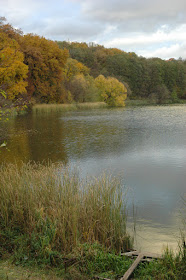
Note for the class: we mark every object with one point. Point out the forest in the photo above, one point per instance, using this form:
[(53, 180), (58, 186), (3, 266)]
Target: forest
[(34, 70)]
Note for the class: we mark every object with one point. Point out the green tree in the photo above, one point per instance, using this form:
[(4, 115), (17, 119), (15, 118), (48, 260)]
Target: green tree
[(161, 94)]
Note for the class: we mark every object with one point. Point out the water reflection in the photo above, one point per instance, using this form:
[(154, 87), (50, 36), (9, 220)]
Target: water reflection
[(33, 138), (146, 146)]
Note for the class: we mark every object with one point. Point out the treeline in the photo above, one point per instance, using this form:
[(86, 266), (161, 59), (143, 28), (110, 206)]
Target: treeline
[(36, 70), (153, 78)]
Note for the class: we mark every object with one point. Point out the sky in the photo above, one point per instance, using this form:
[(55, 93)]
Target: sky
[(150, 28)]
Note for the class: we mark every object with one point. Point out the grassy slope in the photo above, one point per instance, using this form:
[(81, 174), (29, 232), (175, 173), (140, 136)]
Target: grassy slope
[(9, 271)]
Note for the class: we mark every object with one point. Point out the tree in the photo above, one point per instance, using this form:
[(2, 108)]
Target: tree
[(111, 90), (78, 88), (13, 71), (74, 67), (160, 95), (46, 62)]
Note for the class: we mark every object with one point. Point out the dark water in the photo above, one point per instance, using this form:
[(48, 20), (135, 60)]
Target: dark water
[(146, 146)]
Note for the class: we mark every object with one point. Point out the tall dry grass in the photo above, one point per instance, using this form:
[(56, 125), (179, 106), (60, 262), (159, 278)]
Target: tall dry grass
[(51, 200), (48, 108)]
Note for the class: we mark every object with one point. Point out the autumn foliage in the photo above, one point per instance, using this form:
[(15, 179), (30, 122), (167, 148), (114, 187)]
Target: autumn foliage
[(44, 71), (45, 62), (40, 71), (111, 90), (13, 72)]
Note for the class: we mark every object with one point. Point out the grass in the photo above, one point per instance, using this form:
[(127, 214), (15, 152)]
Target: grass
[(55, 226), (9, 271), (46, 212), (147, 102), (48, 108), (88, 261), (139, 102), (171, 267)]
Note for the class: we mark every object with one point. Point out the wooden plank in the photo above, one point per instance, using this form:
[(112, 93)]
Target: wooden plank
[(133, 266), (146, 254), (130, 254)]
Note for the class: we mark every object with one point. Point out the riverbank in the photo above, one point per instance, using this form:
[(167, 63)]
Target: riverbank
[(93, 262), (150, 102), (52, 223), (47, 108), (47, 212)]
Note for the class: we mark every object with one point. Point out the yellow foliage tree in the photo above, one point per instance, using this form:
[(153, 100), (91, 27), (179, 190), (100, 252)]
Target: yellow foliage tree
[(111, 90), (13, 71), (73, 68)]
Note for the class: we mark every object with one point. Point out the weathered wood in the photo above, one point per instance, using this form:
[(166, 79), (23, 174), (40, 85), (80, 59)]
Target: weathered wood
[(130, 254), (146, 254), (133, 266)]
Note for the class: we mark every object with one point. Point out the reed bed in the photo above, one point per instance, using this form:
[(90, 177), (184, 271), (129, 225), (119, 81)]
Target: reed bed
[(52, 207), (91, 105), (48, 108)]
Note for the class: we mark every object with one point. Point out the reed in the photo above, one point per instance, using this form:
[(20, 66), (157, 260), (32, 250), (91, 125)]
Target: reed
[(91, 105), (48, 108), (56, 210)]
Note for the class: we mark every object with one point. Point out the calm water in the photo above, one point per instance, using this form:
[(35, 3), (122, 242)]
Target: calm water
[(146, 146)]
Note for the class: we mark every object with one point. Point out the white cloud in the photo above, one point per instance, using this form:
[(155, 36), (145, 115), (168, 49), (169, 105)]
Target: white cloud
[(173, 51), (175, 39), (160, 36), (132, 25)]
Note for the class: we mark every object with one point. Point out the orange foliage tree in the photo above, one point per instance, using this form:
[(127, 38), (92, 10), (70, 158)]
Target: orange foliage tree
[(46, 62)]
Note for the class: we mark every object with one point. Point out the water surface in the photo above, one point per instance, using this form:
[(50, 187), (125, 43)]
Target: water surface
[(146, 146)]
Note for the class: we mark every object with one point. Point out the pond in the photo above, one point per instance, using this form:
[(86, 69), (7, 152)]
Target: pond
[(145, 146)]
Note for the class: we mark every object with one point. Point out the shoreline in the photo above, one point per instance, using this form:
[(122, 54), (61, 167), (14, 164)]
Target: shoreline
[(97, 105)]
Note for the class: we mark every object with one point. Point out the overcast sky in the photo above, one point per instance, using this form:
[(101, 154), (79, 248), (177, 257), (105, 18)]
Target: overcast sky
[(151, 28)]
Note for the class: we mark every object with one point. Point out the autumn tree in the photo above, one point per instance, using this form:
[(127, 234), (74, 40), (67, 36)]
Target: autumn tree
[(111, 90), (83, 89), (13, 71), (78, 88), (76, 82), (46, 62), (73, 68), (9, 30)]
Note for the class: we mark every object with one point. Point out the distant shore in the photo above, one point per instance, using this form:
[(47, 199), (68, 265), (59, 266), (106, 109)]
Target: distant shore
[(97, 105)]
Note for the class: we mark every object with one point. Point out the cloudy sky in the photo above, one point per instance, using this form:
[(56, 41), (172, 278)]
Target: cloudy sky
[(151, 28)]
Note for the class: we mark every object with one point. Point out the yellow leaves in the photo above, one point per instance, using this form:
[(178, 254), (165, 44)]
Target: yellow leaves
[(16, 88), (13, 71), (111, 90), (73, 68)]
